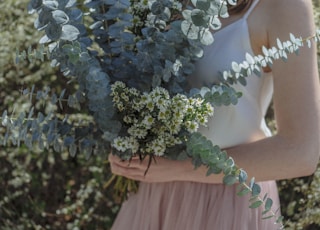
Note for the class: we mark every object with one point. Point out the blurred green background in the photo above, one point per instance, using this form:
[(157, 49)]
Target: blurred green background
[(48, 190)]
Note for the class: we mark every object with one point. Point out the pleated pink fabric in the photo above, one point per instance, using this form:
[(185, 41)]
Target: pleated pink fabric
[(199, 206), (193, 206)]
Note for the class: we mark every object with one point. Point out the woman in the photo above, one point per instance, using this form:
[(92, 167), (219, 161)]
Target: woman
[(174, 196)]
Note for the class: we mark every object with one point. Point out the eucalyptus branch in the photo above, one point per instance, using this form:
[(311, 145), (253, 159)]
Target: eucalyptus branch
[(203, 152), (32, 54), (253, 64)]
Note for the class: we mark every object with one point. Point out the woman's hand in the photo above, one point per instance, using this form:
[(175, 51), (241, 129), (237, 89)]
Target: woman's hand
[(160, 170)]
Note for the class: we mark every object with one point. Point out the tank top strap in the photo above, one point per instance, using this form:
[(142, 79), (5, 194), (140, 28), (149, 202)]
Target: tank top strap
[(253, 5)]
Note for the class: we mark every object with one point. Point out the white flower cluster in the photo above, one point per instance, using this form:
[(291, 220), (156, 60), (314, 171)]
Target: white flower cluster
[(155, 120)]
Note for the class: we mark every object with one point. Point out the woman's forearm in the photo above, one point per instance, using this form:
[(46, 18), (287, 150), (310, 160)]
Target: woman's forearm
[(271, 158)]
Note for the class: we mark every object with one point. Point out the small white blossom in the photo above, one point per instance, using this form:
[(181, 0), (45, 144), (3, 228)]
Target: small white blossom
[(192, 126), (134, 145), (116, 99), (126, 143), (148, 120), (137, 105), (162, 115), (138, 132), (202, 120), (134, 92), (124, 97), (127, 119), (209, 109), (150, 106), (120, 106), (119, 144), (174, 128), (157, 147), (162, 103)]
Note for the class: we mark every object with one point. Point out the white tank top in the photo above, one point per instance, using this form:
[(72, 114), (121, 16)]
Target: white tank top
[(235, 124)]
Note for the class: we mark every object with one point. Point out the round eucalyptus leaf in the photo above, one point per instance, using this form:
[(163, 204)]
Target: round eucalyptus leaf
[(53, 31), (199, 17), (256, 204), (230, 179), (215, 23), (203, 4), (73, 150), (34, 5), (187, 15), (161, 24), (96, 25), (44, 39), (256, 189), (243, 176), (68, 140), (51, 4), (70, 3), (206, 37), (232, 2), (223, 12), (84, 57), (69, 33), (268, 204), (166, 14), (43, 20), (75, 14), (157, 8), (190, 30), (110, 2), (60, 17)]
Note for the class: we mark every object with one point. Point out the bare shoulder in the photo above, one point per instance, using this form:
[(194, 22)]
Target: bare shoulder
[(272, 19), (289, 16)]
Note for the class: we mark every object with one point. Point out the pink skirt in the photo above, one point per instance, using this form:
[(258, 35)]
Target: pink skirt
[(193, 206)]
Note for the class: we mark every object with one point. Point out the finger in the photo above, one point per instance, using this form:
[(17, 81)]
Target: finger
[(113, 158), (132, 173)]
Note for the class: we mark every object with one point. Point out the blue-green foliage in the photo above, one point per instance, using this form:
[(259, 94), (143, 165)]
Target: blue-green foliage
[(130, 41)]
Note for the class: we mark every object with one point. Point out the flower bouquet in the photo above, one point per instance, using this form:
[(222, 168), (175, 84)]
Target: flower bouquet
[(131, 60)]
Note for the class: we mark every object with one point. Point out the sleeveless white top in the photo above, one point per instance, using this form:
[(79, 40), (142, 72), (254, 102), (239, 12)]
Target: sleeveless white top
[(235, 124)]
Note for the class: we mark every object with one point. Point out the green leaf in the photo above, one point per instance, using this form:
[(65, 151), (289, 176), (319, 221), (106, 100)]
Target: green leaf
[(267, 217), (256, 204), (243, 176), (203, 4), (268, 204), (256, 189), (60, 17), (230, 179), (53, 31), (232, 2), (279, 219), (251, 182), (213, 170), (242, 190), (215, 23), (199, 17), (206, 37), (157, 7), (69, 33), (190, 30)]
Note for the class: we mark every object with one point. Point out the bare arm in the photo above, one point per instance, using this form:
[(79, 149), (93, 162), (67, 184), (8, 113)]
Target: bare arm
[(294, 150)]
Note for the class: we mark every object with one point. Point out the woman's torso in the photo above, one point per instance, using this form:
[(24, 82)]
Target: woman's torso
[(243, 122)]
